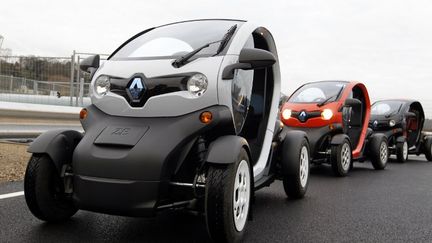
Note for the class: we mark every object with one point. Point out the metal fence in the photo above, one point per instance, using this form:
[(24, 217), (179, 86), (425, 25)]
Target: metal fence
[(45, 80)]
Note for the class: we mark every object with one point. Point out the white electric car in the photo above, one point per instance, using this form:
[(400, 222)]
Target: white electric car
[(183, 115)]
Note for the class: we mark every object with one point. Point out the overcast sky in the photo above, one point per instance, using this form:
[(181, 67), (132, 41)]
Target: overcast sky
[(386, 44)]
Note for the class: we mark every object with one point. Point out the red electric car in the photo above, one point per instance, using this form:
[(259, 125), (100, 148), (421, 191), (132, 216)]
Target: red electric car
[(334, 115)]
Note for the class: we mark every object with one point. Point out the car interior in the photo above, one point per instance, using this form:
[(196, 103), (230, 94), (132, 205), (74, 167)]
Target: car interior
[(414, 124), (356, 116)]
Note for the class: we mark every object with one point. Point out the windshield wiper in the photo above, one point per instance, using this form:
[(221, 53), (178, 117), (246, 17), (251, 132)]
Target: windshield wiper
[(226, 38), (182, 60), (329, 98)]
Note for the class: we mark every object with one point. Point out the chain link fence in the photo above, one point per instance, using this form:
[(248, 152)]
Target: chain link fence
[(45, 80)]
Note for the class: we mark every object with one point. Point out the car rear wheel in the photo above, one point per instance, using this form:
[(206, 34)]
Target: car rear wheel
[(428, 148), (227, 199), (44, 191), (402, 151), (296, 163), (379, 152), (341, 158)]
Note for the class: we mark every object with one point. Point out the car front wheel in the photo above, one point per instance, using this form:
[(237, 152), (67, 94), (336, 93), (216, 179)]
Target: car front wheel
[(379, 152), (44, 191), (402, 151), (295, 163), (341, 158), (227, 201), (428, 148)]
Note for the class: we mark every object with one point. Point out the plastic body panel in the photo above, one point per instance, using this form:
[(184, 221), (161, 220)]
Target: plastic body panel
[(57, 144), (139, 173)]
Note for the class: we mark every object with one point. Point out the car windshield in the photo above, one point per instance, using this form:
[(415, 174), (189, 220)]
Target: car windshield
[(175, 40), (386, 107), (318, 92)]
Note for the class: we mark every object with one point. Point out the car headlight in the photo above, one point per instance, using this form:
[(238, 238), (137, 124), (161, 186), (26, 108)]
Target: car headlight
[(102, 85), (286, 114), (197, 84), (327, 114), (392, 123)]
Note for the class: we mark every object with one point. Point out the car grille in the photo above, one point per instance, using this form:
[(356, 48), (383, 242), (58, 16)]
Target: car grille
[(152, 87), (303, 115)]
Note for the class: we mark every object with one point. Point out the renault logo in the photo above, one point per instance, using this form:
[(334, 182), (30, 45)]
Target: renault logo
[(136, 88), (302, 116), (375, 123)]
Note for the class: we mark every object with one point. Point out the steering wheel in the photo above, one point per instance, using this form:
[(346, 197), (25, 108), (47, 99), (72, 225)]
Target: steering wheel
[(319, 99)]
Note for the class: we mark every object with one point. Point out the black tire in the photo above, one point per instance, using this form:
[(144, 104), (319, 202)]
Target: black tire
[(341, 158), (402, 151), (219, 200), (428, 148), (295, 176), (378, 152), (44, 191)]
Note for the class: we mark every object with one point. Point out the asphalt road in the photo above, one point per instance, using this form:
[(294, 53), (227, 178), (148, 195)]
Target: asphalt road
[(393, 205)]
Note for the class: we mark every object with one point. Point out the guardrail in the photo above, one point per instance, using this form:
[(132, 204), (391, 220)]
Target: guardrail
[(19, 120)]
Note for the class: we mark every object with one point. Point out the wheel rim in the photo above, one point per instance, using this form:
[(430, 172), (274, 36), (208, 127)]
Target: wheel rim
[(405, 150), (346, 156), (383, 152), (304, 166), (241, 195)]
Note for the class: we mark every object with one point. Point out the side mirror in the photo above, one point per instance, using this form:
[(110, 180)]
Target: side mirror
[(352, 102), (250, 58), (410, 114), (90, 64)]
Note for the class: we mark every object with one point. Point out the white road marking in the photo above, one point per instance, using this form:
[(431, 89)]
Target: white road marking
[(13, 194)]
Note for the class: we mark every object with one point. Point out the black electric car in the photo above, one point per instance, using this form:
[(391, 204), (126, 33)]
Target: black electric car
[(183, 116), (402, 121)]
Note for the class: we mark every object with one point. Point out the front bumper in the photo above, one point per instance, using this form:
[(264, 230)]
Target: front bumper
[(126, 174), (318, 137), (117, 197)]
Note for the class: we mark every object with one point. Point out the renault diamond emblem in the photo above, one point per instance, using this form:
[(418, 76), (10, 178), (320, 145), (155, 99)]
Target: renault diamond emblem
[(375, 123), (302, 116), (136, 88)]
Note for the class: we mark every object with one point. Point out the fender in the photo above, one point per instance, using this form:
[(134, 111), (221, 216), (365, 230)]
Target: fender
[(339, 138), (291, 146), (369, 132), (378, 135), (224, 150), (58, 145), (295, 134)]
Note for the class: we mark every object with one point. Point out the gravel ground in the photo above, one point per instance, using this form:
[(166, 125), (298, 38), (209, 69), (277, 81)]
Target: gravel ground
[(13, 161)]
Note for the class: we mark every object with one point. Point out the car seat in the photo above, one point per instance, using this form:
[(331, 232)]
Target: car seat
[(355, 123)]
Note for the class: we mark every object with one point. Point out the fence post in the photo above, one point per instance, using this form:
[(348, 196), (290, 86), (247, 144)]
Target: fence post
[(35, 87), (81, 93), (11, 84), (71, 88), (24, 84), (78, 80)]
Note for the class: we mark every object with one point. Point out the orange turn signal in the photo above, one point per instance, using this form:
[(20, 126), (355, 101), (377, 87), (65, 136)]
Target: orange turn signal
[(206, 117), (83, 113)]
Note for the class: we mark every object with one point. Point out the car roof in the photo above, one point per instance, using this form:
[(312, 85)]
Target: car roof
[(195, 20), (155, 27), (328, 81), (400, 100)]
